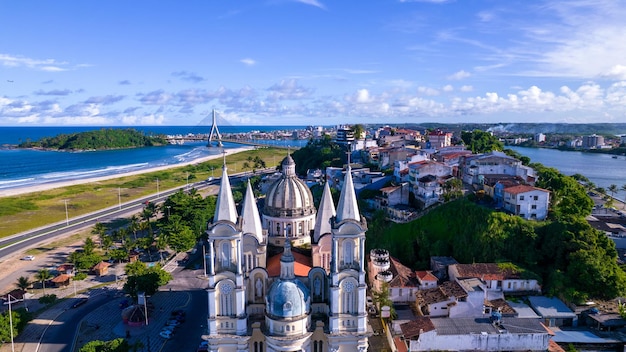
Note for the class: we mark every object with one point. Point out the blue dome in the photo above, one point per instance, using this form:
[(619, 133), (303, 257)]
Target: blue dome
[(287, 299)]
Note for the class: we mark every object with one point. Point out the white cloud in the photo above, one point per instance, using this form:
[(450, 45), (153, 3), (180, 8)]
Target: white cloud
[(49, 65), (466, 88), (617, 72), (459, 75), (448, 88), (314, 3), (148, 119), (248, 61), (427, 91), (363, 96)]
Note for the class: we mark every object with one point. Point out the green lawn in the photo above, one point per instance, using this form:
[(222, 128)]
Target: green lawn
[(28, 211)]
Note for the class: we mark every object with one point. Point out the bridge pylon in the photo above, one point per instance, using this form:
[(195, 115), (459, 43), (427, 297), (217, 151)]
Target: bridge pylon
[(215, 133)]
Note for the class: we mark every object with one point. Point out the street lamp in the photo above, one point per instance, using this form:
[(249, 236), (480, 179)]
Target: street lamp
[(11, 319)]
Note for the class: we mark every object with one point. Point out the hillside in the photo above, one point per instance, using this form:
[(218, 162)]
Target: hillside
[(570, 256)]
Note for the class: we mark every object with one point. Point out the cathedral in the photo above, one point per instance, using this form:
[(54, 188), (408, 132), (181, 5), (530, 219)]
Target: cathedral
[(312, 300)]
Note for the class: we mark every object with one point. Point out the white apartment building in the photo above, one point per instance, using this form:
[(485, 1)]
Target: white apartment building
[(527, 201)]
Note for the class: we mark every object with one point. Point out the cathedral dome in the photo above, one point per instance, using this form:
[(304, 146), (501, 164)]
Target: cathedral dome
[(288, 299), (289, 196)]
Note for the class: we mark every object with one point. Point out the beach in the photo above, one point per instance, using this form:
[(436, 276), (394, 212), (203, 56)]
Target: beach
[(47, 186)]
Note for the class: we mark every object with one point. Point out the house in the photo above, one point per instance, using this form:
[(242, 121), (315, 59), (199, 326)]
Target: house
[(439, 139), (426, 279), (495, 277), (527, 201), (439, 266), (494, 186), (393, 195), (61, 280), (428, 191), (476, 334), (436, 302), (553, 311), (66, 269), (475, 168), (101, 268), (404, 284)]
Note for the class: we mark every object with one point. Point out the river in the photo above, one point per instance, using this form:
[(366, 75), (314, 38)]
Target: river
[(602, 169)]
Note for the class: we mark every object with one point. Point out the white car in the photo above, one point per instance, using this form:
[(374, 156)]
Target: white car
[(165, 334), (29, 257)]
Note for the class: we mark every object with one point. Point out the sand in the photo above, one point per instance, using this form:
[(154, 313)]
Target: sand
[(47, 186)]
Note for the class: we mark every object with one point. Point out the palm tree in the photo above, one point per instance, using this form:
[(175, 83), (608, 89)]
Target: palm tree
[(100, 230), (42, 276), (23, 283), (613, 189)]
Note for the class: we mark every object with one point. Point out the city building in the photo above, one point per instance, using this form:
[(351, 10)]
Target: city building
[(439, 139), (491, 333), (593, 141), (527, 201), (258, 302)]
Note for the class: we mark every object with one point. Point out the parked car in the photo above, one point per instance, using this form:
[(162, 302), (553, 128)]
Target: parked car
[(173, 322), (29, 257), (169, 328), (165, 334)]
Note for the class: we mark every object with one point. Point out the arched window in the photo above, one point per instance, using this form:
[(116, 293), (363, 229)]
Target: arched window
[(225, 255), (288, 230), (348, 252)]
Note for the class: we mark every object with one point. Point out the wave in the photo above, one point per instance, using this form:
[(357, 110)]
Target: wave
[(12, 182)]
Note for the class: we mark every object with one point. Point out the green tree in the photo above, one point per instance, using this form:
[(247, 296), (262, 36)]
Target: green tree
[(42, 276), (23, 283), (19, 317), (88, 246), (99, 229), (118, 254), (613, 189), (481, 142), (358, 130), (117, 345), (147, 282)]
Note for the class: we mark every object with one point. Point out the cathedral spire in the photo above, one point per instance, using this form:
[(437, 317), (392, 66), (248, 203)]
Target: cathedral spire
[(348, 207), (250, 215), (287, 262), (225, 206), (325, 212)]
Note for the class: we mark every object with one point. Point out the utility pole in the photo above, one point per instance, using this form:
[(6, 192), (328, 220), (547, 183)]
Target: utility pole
[(157, 187), (67, 217), (119, 197), (11, 321)]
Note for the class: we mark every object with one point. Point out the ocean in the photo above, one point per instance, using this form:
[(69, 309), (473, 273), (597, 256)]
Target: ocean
[(26, 167)]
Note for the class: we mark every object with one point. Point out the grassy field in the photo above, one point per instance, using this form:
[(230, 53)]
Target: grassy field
[(29, 211)]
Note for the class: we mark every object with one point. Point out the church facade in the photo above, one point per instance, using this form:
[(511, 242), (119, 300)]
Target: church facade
[(291, 301)]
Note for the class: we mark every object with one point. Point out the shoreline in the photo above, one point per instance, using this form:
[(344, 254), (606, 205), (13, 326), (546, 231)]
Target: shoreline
[(9, 192)]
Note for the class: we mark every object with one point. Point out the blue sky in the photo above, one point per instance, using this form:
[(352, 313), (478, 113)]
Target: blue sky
[(311, 62)]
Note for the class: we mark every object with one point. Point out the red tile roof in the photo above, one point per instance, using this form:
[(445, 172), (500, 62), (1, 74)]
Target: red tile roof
[(484, 271), (522, 189), (403, 276), (413, 328), (61, 278), (425, 275), (100, 266), (301, 267)]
